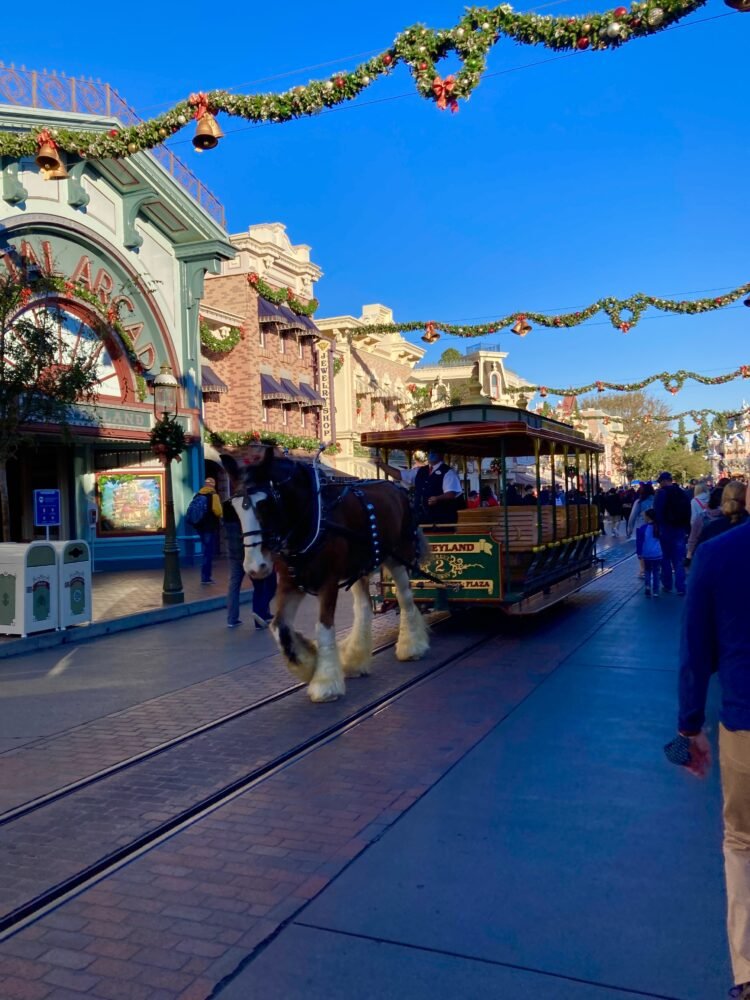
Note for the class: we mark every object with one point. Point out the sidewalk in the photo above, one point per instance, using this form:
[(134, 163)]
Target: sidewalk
[(131, 599)]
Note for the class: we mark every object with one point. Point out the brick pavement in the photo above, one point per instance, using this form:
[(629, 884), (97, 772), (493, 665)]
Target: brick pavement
[(178, 920)]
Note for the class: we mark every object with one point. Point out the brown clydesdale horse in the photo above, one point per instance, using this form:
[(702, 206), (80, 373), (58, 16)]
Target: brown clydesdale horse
[(321, 536)]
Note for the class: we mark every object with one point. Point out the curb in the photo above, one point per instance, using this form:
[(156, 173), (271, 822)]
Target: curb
[(83, 633)]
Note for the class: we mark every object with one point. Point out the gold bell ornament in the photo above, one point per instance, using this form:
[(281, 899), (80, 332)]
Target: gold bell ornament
[(207, 132), (521, 327), (430, 334), (47, 157)]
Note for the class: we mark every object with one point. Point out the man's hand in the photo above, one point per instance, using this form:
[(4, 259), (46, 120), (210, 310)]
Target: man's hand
[(700, 754)]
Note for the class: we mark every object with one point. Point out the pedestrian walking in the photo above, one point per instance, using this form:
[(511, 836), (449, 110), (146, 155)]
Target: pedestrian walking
[(699, 503), (712, 511), (716, 637), (733, 511), (204, 514), (644, 502), (612, 512), (648, 548), (672, 512)]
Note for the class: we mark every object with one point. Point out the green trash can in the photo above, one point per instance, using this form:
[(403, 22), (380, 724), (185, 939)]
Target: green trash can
[(28, 588), (74, 581)]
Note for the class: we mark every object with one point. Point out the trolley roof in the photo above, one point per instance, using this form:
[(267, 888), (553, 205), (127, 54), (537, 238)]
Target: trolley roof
[(479, 431)]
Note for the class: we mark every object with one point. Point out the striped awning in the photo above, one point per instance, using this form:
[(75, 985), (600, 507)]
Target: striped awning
[(210, 381), (312, 396), (271, 389), (290, 320), (292, 389), (270, 313)]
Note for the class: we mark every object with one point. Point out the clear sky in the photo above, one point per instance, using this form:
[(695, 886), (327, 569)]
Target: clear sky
[(588, 175)]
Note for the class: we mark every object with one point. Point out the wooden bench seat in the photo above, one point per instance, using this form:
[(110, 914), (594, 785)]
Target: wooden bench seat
[(523, 523)]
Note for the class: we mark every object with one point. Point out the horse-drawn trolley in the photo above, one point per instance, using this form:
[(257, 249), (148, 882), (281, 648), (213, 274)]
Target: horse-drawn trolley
[(533, 546)]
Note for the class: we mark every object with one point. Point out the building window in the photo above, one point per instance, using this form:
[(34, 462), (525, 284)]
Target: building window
[(282, 342), (303, 419), (265, 413), (261, 336), (301, 348), (494, 385), (285, 415)]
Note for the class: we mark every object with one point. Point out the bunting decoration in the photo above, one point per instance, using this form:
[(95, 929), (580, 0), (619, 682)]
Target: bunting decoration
[(623, 314), (672, 382), (419, 47)]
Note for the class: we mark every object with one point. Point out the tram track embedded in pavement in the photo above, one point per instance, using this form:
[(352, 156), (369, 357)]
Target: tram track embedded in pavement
[(32, 909)]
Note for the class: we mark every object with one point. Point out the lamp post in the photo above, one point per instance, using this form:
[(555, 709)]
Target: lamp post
[(165, 411)]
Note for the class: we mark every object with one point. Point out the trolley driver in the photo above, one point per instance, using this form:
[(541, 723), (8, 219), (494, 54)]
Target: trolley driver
[(437, 488)]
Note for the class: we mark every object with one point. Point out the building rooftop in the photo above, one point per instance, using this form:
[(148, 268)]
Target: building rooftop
[(29, 88)]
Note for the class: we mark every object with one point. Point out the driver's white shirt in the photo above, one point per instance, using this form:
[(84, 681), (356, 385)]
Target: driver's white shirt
[(451, 482)]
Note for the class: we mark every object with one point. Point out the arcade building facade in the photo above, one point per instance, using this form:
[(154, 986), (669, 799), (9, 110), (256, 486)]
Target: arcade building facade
[(129, 234)]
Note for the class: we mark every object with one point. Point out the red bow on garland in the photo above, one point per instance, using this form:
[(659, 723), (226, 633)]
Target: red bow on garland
[(443, 91), (44, 137), (199, 101)]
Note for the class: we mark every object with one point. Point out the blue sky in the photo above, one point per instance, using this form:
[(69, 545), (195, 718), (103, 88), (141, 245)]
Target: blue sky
[(601, 173)]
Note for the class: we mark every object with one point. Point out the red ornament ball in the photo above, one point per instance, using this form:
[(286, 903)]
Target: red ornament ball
[(620, 12), (114, 133), (388, 59), (339, 82), (582, 43), (423, 65)]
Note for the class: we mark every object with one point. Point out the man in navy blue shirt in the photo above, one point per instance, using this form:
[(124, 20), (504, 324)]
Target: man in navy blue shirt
[(672, 513), (716, 637)]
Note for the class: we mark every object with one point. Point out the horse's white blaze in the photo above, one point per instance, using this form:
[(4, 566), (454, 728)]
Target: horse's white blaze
[(413, 640), (356, 651), (257, 562), (328, 680)]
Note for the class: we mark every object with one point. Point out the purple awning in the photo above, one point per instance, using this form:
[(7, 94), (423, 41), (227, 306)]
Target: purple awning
[(210, 381), (312, 396), (291, 388), (269, 313), (271, 389)]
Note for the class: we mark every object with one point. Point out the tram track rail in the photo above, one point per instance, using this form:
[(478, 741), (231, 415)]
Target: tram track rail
[(22, 913), (31, 910)]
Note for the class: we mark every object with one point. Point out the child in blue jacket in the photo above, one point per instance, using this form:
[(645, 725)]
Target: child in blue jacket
[(648, 548)]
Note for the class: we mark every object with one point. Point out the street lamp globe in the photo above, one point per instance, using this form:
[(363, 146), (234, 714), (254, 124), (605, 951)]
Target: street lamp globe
[(165, 393)]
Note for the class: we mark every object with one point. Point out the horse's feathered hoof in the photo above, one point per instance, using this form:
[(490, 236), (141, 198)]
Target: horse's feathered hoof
[(321, 691), (411, 650)]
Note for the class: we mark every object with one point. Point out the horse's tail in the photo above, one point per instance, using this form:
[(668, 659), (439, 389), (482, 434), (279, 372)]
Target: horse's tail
[(423, 547)]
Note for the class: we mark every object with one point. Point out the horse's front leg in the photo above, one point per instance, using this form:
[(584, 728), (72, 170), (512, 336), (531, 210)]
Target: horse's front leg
[(413, 640), (356, 651), (300, 654), (327, 683)]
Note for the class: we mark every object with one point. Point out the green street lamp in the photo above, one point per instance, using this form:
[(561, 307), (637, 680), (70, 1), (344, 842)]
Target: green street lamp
[(166, 390)]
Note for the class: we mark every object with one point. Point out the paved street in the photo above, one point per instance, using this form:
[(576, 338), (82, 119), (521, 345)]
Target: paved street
[(507, 826)]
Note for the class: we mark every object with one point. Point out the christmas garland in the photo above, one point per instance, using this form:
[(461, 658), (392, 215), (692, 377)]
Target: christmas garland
[(240, 439), (672, 382), (419, 47), (282, 296), (219, 345), (167, 439), (634, 306), (700, 415)]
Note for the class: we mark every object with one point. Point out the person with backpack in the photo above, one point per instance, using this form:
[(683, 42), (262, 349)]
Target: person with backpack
[(204, 514), (672, 514), (649, 551), (643, 503)]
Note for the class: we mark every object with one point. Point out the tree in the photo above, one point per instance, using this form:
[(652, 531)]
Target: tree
[(673, 457), (450, 354), (643, 422), (43, 370)]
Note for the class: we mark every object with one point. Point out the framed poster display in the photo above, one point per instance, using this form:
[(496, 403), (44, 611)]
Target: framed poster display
[(130, 503)]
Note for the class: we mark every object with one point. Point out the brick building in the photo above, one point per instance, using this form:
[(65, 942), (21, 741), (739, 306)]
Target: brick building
[(371, 383), (266, 368)]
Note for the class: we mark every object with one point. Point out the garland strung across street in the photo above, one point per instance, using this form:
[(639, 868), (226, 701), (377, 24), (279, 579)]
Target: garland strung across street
[(700, 415), (419, 47), (672, 382), (634, 306)]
